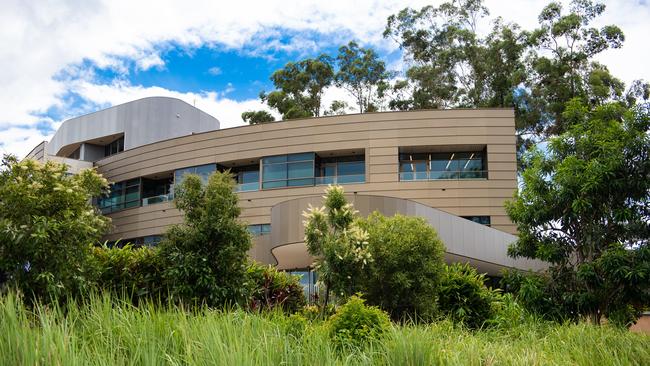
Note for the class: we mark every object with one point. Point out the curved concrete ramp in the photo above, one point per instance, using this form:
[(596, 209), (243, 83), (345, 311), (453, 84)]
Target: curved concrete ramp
[(483, 247)]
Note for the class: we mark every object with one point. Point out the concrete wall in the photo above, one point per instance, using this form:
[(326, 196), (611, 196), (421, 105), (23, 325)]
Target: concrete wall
[(465, 241), (142, 122), (378, 134)]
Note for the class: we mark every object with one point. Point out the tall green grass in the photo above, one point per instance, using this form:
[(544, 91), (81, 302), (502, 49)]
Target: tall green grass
[(104, 331)]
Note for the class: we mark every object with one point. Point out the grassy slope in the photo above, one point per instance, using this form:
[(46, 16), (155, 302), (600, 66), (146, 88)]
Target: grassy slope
[(103, 333)]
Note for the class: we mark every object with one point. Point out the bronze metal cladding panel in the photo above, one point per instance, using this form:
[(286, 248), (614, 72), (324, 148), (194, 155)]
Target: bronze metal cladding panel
[(381, 135)]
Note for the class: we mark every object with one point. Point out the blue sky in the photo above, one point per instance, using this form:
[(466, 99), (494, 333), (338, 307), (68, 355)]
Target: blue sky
[(74, 57)]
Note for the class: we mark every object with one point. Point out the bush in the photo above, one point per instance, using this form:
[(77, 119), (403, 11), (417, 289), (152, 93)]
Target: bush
[(408, 262), (356, 324), (134, 272), (270, 289), (463, 296), (204, 259), (548, 295), (46, 224)]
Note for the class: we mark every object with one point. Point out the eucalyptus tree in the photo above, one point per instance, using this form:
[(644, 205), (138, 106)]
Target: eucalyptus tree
[(300, 87), (363, 75)]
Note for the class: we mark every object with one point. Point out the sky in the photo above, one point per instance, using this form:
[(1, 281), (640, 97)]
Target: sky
[(61, 59)]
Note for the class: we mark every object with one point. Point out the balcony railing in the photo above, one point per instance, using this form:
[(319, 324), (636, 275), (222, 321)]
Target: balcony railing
[(443, 175), (247, 187), (341, 179), (157, 199)]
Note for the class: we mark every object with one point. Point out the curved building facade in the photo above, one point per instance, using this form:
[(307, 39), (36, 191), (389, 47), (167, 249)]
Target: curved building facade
[(455, 168)]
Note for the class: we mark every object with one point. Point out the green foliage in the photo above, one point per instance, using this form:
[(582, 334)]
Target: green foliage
[(128, 271), (357, 324), (535, 71), (273, 289), (404, 276), (337, 242), (257, 117), (107, 331), (583, 207), (568, 71), (452, 65), (46, 225), (363, 75), (463, 296), (551, 295), (205, 258), (299, 87)]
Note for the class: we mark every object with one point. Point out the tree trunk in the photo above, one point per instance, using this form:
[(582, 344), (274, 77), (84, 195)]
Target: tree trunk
[(327, 296)]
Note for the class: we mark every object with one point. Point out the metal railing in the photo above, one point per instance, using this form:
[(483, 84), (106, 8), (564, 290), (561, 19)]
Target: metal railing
[(443, 175), (341, 179), (247, 187), (157, 199)]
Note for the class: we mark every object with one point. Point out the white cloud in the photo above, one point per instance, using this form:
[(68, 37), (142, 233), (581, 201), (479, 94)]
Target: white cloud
[(40, 39)]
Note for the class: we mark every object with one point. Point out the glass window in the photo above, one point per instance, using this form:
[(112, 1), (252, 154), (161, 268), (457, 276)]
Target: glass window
[(259, 229), (453, 165), (288, 170), (275, 172), (114, 147), (123, 195), (483, 220), (341, 170), (203, 171), (300, 170)]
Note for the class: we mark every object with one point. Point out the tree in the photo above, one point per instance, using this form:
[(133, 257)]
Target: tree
[(47, 223), (257, 117), (205, 257), (536, 72), (339, 245), (450, 64), (337, 108), (561, 66), (404, 276), (363, 75), (299, 87), (584, 205)]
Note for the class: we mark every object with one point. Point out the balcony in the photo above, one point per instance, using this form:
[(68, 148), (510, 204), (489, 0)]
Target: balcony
[(157, 199), (247, 187), (341, 179), (443, 175)]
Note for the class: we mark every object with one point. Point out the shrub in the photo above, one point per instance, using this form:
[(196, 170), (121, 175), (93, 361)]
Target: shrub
[(404, 276), (295, 326), (356, 324), (463, 296), (270, 289), (46, 224), (134, 272), (205, 258)]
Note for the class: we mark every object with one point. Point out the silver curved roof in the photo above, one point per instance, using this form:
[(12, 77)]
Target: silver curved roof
[(141, 121)]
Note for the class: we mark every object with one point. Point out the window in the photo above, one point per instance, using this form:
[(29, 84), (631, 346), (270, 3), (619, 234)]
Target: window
[(123, 195), (203, 171), (453, 165), (156, 190), (114, 147), (483, 220), (151, 240), (308, 280), (248, 178), (341, 170), (75, 154), (259, 229), (288, 170)]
